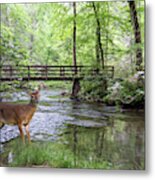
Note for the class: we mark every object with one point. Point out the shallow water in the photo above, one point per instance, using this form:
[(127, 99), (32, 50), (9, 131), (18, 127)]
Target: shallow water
[(94, 132)]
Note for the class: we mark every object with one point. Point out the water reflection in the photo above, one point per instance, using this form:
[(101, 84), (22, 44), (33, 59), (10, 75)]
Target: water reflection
[(121, 144)]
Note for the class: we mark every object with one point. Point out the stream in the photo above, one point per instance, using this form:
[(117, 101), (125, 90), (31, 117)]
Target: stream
[(91, 130)]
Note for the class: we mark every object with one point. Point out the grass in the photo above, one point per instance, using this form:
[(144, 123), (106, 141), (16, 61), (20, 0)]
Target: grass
[(50, 154), (59, 84), (15, 85), (41, 154), (44, 103)]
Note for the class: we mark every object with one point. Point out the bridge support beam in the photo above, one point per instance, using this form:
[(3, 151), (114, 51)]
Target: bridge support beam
[(75, 88)]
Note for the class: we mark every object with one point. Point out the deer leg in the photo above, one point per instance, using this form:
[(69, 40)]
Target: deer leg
[(28, 133), (21, 133)]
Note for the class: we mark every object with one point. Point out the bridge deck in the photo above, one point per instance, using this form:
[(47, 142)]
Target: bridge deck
[(55, 73)]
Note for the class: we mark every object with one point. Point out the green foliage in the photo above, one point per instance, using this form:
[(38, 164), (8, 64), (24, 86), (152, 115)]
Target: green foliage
[(13, 24), (4, 87), (55, 155), (126, 92), (42, 33), (93, 89)]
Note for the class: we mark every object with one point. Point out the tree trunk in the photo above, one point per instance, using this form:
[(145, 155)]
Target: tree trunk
[(97, 49), (75, 88), (76, 82), (74, 36), (98, 34), (137, 34)]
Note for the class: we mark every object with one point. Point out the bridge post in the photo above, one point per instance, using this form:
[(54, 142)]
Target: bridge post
[(28, 68), (75, 88), (11, 73)]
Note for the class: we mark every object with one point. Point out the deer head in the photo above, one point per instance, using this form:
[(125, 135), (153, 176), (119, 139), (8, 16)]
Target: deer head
[(34, 97)]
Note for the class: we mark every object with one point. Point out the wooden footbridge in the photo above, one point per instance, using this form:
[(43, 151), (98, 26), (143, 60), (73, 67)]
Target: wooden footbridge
[(47, 73)]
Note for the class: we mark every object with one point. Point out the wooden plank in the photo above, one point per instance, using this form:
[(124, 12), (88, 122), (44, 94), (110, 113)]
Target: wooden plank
[(37, 72)]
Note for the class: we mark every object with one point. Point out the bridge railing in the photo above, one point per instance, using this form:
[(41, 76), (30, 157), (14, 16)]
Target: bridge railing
[(37, 72)]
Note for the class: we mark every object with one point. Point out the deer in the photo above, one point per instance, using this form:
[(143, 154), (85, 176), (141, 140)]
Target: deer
[(19, 114)]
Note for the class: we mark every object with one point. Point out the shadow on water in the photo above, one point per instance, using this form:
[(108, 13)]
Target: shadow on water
[(91, 135)]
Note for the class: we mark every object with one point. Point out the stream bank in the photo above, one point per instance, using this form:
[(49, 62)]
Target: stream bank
[(95, 135)]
